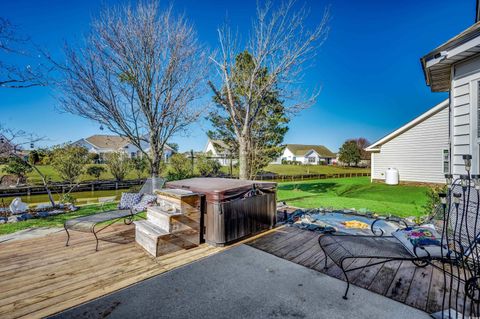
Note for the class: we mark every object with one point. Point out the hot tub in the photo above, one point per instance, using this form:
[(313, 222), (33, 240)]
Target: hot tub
[(235, 209)]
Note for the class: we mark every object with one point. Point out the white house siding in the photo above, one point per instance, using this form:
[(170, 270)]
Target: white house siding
[(222, 158), (417, 153), (464, 125)]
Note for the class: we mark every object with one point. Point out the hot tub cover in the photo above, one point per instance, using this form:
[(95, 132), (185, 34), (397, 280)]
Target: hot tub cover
[(221, 189)]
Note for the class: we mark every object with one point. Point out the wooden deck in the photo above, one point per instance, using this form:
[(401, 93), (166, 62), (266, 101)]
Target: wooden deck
[(39, 277), (421, 288)]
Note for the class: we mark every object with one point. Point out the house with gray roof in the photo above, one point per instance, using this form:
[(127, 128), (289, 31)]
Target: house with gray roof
[(104, 144), (306, 154)]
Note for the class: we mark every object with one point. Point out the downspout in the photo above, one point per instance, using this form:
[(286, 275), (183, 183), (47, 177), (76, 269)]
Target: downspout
[(450, 148), (477, 11)]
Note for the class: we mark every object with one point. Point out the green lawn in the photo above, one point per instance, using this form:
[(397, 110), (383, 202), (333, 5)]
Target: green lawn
[(54, 221), (355, 193)]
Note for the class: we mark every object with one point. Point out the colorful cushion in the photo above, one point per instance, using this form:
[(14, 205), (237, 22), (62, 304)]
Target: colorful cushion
[(424, 236), (129, 200), (146, 201)]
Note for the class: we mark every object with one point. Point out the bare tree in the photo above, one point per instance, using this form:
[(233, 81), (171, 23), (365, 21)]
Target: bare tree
[(12, 142), (140, 74), (12, 44), (279, 42)]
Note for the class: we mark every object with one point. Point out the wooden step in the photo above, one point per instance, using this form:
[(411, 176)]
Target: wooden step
[(163, 219), (149, 236)]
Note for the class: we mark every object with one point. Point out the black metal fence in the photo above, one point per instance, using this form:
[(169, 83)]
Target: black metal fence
[(293, 178), (60, 188)]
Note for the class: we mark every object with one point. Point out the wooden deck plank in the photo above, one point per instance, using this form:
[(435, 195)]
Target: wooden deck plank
[(418, 292), (384, 277), (400, 280), (41, 276), (400, 285)]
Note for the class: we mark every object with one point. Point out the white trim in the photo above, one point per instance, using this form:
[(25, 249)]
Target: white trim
[(375, 146), (446, 56)]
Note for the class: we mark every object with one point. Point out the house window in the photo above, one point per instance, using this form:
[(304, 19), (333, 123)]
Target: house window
[(446, 161), (294, 159), (311, 160)]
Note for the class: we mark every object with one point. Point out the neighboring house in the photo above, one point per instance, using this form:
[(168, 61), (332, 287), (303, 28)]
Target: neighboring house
[(218, 150), (306, 154), (419, 150), (104, 144), (454, 67)]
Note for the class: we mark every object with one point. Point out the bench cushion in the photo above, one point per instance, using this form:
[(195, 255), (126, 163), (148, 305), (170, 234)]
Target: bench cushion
[(146, 201), (129, 200)]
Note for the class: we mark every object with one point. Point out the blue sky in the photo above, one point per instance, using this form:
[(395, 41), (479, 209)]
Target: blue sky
[(368, 68)]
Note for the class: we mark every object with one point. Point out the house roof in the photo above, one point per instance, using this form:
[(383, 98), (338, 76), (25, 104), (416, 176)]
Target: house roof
[(108, 141), (221, 144), (113, 142), (437, 108), (301, 150), (437, 64)]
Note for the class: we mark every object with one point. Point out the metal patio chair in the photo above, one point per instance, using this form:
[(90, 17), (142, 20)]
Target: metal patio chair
[(95, 223), (458, 223)]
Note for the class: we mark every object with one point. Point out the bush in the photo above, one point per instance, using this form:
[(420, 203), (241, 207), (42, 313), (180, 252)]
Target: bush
[(180, 167), (139, 165), (68, 199), (433, 200), (69, 161), (207, 166), (93, 158), (17, 167), (95, 171), (118, 165)]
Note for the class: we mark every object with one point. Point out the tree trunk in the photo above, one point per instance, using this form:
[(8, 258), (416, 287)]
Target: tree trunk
[(243, 158), (156, 156), (45, 184)]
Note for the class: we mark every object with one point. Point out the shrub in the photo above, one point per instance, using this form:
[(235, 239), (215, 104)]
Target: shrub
[(433, 200), (68, 199), (95, 171), (93, 158), (69, 161), (207, 166), (119, 165), (139, 165), (180, 167), (17, 167)]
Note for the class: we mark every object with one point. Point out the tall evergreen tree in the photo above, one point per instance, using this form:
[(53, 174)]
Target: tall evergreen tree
[(266, 132)]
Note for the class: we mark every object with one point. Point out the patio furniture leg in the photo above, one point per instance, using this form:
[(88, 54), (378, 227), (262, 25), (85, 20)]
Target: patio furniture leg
[(68, 235), (346, 277), (326, 256), (96, 238)]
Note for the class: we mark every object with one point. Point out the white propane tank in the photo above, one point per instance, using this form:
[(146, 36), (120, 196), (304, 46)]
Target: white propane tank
[(391, 176)]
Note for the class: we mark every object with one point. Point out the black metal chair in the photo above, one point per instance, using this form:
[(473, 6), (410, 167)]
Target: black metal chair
[(459, 226)]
